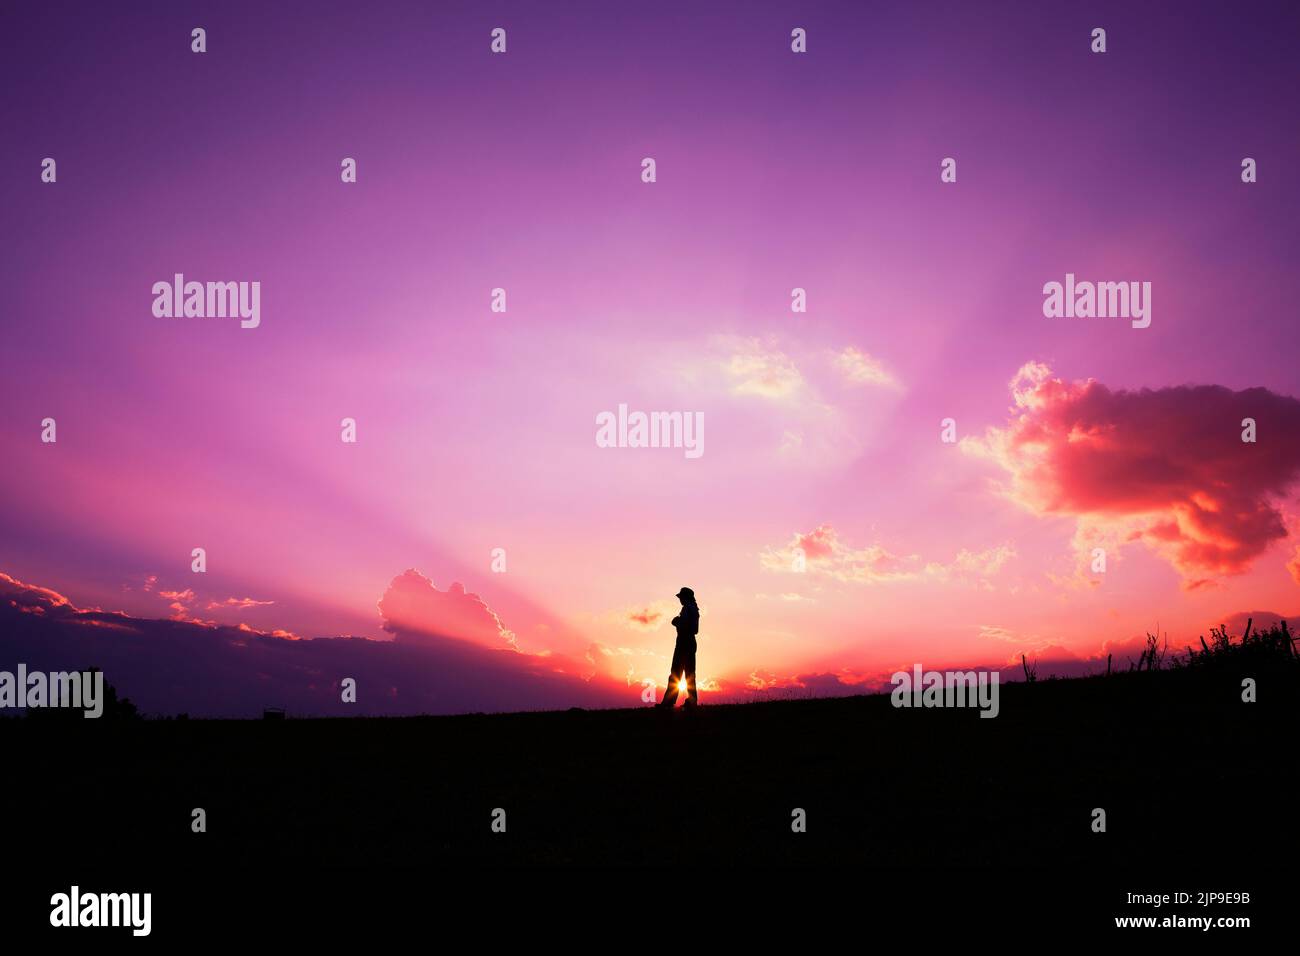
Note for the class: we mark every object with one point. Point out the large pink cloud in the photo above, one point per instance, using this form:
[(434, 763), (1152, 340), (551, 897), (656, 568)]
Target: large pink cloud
[(1164, 466), (414, 609)]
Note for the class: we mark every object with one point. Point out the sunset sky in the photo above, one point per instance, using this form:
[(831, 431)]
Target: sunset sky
[(822, 430)]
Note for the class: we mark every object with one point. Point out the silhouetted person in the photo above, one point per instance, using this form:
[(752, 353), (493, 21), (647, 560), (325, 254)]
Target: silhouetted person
[(688, 625)]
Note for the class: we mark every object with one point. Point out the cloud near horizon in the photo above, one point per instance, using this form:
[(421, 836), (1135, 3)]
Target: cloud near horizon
[(216, 670), (242, 604), (414, 609), (1166, 467)]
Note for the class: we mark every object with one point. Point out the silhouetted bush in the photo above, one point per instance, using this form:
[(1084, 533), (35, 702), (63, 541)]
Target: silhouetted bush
[(1270, 646)]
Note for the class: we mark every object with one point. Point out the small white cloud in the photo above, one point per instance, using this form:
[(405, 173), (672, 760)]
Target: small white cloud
[(760, 368), (823, 553), (859, 368)]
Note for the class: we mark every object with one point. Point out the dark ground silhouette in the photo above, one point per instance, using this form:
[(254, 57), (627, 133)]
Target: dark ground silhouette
[(917, 820), (1187, 773)]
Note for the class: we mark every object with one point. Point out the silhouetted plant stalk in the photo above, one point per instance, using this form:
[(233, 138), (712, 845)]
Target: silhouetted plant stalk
[(1153, 655)]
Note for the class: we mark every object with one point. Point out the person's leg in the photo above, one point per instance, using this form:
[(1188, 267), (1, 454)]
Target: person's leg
[(670, 694), (692, 691)]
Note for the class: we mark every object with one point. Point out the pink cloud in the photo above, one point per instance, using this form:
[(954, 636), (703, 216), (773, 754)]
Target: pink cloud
[(413, 608), (824, 553), (1167, 466), (278, 632), (242, 603), (818, 543), (645, 618), (29, 596), (180, 601)]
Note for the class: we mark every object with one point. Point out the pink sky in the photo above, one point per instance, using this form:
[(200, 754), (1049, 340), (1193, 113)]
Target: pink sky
[(476, 430)]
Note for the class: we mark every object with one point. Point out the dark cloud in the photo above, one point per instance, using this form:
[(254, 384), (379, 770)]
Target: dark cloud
[(1260, 621), (170, 666)]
